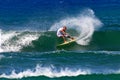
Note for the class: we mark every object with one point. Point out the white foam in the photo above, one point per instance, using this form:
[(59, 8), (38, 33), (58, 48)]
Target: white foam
[(15, 41), (45, 71), (51, 72), (5, 40), (26, 39), (85, 24), (0, 41)]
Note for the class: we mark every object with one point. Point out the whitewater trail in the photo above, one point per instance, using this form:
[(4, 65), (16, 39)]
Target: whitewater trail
[(85, 24)]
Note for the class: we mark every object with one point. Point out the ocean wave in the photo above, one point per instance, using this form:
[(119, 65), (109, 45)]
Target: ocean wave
[(83, 27), (15, 41), (51, 72), (45, 71), (26, 41), (59, 63)]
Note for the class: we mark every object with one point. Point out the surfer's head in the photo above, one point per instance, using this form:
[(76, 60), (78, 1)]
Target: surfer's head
[(64, 28)]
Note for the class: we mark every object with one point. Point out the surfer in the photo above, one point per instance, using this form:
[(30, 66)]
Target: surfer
[(61, 33)]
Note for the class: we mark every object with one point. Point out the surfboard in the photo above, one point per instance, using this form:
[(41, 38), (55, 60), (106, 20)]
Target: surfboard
[(66, 43)]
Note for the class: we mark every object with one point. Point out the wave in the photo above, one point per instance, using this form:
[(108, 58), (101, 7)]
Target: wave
[(101, 40), (44, 71), (57, 64), (84, 27), (27, 41), (14, 41), (51, 72)]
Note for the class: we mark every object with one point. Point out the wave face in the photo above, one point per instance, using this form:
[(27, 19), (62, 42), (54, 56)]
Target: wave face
[(91, 34), (47, 41), (81, 27)]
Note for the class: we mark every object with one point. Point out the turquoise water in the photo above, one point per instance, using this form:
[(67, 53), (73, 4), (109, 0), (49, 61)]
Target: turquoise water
[(60, 65)]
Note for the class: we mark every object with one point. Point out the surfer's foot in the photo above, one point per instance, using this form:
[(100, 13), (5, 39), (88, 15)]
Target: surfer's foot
[(65, 41)]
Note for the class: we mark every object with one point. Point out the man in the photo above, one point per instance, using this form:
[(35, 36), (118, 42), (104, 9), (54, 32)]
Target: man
[(61, 32)]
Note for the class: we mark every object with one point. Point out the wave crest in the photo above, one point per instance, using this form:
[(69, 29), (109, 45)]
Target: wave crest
[(15, 41), (45, 71)]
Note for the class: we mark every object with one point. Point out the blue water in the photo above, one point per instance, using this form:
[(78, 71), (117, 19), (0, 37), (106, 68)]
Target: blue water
[(28, 39), (42, 14)]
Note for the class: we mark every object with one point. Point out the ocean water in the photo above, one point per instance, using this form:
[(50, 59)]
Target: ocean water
[(28, 40)]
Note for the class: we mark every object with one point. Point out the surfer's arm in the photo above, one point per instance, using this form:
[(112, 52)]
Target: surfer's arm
[(63, 33), (66, 35)]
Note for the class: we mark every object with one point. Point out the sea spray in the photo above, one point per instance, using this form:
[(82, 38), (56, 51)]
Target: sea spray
[(45, 71), (0, 40), (85, 24)]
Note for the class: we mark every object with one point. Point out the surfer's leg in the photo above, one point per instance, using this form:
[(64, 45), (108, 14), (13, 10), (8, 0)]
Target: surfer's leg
[(61, 39), (64, 38)]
